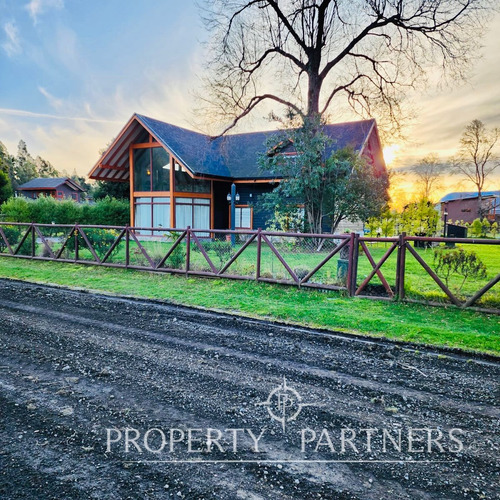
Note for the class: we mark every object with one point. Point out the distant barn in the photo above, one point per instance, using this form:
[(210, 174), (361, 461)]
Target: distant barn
[(57, 187)]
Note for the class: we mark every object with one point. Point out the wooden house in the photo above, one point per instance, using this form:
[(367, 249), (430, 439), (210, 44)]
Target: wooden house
[(181, 178), (58, 187)]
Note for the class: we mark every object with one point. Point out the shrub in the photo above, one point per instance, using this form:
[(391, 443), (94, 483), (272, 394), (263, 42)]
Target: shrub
[(177, 258), (45, 210), (463, 263), (16, 210), (109, 212), (222, 249), (14, 235), (477, 228), (100, 239), (494, 230)]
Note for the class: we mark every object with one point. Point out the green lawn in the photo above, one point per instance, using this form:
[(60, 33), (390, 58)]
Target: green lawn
[(446, 326)]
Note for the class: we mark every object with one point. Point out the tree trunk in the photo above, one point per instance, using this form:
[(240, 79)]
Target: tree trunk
[(313, 93)]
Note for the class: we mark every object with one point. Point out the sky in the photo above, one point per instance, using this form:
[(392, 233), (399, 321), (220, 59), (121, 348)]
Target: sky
[(72, 72)]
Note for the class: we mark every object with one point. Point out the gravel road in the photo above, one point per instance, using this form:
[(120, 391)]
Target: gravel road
[(110, 398)]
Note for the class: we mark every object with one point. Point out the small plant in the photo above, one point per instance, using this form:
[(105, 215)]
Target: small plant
[(477, 228), (463, 263), (494, 230), (177, 258), (222, 249)]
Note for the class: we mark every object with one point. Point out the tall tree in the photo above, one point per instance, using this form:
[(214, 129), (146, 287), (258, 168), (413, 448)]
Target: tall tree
[(476, 159), (5, 187), (420, 218), (428, 172), (118, 190), (23, 167), (305, 54), (44, 168)]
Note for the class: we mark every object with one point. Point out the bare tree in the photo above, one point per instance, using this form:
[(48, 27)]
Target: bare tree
[(476, 159), (305, 54), (428, 172)]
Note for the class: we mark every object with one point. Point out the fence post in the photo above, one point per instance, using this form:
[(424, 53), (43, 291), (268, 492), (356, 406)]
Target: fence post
[(127, 246), (259, 248), (188, 248), (355, 259), (400, 267), (76, 242), (33, 240), (350, 268)]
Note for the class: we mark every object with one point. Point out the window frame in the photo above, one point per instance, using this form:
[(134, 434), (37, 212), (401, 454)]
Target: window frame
[(236, 227)]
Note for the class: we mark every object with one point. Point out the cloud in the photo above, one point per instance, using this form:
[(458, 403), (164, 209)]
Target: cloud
[(12, 45), (36, 8), (31, 114), (54, 102)]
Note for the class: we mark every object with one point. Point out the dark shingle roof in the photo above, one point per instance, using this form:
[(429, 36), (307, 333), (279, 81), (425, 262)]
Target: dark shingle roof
[(43, 183), (235, 155), (49, 183)]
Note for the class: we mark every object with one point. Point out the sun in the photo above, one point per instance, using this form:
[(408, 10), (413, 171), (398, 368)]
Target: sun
[(390, 153)]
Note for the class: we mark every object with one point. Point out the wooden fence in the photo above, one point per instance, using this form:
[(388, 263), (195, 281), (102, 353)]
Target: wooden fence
[(302, 259)]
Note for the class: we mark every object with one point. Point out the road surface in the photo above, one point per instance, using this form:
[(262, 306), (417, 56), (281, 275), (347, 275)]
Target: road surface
[(109, 398)]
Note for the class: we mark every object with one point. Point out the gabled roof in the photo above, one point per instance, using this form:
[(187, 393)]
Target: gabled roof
[(233, 156), (50, 183), (467, 195)]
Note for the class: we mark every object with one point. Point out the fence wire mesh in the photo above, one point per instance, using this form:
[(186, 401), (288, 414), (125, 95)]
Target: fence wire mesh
[(463, 272)]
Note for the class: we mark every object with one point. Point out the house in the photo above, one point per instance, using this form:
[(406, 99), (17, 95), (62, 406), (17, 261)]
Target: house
[(465, 206), (57, 187), (181, 178)]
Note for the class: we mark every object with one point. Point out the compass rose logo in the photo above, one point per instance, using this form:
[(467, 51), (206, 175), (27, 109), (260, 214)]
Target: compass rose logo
[(284, 404)]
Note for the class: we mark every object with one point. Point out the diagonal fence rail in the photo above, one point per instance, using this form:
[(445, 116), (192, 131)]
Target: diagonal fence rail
[(357, 265)]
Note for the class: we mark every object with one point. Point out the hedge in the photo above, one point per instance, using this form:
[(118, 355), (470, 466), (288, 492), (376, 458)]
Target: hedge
[(47, 210)]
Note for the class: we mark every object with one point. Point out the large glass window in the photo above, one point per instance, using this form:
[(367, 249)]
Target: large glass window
[(161, 212), (152, 212), (142, 169), (184, 183), (193, 212), (151, 169), (161, 170)]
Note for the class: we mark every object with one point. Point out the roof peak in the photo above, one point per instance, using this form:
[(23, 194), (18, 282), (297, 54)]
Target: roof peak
[(339, 124)]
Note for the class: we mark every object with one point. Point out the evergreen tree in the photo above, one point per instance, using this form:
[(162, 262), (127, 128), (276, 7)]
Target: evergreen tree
[(24, 167)]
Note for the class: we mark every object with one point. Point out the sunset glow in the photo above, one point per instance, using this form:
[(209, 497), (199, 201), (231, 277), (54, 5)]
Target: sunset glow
[(390, 153)]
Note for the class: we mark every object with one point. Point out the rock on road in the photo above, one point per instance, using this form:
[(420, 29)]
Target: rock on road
[(78, 369)]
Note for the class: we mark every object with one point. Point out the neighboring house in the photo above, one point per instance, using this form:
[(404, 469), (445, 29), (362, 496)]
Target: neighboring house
[(181, 178), (57, 187), (465, 206)]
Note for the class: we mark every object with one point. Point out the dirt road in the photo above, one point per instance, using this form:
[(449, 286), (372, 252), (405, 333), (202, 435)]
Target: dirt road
[(348, 419)]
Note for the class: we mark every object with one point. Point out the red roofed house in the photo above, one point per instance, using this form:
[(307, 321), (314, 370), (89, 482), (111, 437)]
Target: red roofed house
[(57, 187)]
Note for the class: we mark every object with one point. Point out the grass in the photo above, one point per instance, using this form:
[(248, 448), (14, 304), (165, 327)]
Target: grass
[(446, 326)]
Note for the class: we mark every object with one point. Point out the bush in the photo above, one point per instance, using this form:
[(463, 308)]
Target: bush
[(463, 263), (221, 248), (176, 259), (16, 210), (477, 228), (109, 212), (45, 210), (100, 239), (14, 235)]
